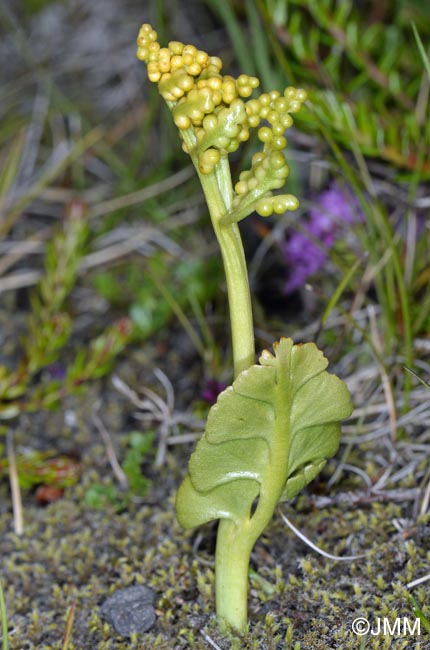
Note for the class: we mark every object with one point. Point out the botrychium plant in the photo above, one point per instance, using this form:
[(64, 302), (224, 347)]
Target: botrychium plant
[(272, 430)]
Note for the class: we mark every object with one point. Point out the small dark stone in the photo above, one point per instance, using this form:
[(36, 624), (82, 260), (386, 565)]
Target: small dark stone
[(130, 610)]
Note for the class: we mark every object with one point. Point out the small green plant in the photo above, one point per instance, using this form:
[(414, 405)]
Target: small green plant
[(272, 430), (3, 617), (419, 614), (49, 329), (100, 495), (41, 468)]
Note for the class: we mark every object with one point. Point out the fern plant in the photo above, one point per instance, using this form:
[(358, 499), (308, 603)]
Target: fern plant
[(272, 430)]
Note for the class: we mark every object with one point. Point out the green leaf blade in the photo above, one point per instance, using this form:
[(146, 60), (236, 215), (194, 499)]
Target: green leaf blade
[(297, 481), (323, 399), (270, 433), (213, 465), (229, 501), (236, 415)]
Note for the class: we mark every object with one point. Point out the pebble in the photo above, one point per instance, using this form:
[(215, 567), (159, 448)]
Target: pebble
[(130, 610)]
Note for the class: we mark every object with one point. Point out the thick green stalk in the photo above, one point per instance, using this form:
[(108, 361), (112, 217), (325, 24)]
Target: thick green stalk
[(3, 618), (242, 331), (218, 191), (236, 539), (234, 543), (233, 552)]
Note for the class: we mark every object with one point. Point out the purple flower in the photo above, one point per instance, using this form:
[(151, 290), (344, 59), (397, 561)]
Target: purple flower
[(306, 251), (56, 371), (212, 389)]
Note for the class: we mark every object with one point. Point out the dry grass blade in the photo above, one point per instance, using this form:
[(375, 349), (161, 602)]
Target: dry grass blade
[(18, 518), (127, 242), (69, 626), (418, 581), (426, 498), (155, 409), (388, 391), (116, 467), (424, 383), (210, 640), (360, 498), (60, 160), (13, 252), (142, 195), (352, 468), (19, 280), (314, 547)]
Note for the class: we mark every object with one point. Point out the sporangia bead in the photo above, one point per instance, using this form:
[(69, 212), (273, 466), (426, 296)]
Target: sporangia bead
[(265, 134), (264, 207), (176, 47), (207, 160), (214, 107)]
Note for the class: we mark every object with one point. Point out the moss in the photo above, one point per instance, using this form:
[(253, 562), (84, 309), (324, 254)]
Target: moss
[(72, 554)]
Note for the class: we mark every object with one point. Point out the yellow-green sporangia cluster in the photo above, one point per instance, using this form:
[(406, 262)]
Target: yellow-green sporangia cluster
[(212, 114)]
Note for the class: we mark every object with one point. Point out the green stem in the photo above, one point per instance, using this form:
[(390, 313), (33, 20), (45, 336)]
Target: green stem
[(218, 191), (233, 552), (235, 541), (242, 331), (3, 618)]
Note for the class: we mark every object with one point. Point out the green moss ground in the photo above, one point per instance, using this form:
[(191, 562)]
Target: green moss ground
[(71, 553)]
